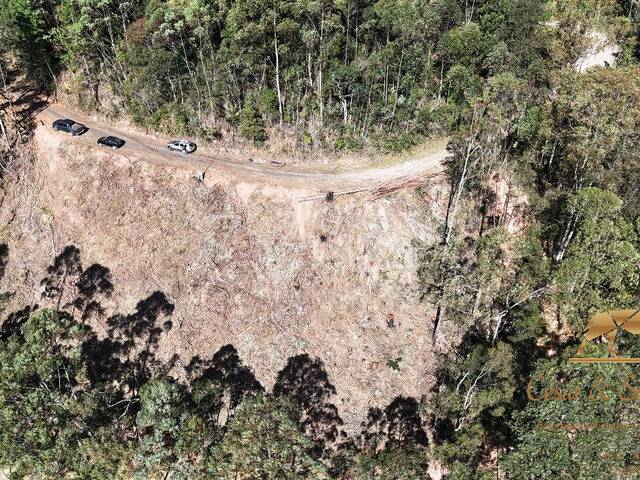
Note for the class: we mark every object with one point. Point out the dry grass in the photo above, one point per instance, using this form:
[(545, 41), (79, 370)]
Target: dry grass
[(243, 264)]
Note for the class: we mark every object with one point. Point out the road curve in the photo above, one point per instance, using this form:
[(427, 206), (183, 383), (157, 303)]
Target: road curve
[(154, 150)]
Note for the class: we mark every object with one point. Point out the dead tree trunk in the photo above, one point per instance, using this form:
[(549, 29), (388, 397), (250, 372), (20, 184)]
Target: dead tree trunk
[(275, 47)]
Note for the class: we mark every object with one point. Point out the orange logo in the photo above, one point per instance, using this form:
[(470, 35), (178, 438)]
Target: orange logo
[(608, 323)]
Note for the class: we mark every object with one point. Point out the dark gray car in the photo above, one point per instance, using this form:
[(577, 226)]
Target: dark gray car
[(110, 141), (69, 126)]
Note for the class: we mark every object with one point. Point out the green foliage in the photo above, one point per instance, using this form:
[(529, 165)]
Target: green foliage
[(268, 103), (46, 404), (587, 135), (394, 363), (599, 256), (479, 390), (251, 124), (263, 441), (59, 420), (529, 124), (105, 455), (463, 45), (25, 28), (386, 142), (512, 284), (177, 428), (514, 301), (396, 464), (307, 139), (369, 68), (161, 420), (553, 436), (347, 141)]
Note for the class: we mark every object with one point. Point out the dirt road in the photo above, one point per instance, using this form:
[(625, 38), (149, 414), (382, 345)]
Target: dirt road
[(153, 149)]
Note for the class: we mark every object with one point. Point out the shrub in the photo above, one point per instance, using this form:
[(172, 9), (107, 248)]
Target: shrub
[(251, 124)]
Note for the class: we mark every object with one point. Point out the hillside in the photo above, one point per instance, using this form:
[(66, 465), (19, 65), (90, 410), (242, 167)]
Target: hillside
[(244, 263), (407, 246)]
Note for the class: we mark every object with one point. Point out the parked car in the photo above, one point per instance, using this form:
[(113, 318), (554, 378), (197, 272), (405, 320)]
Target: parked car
[(182, 146), (113, 142), (69, 126)]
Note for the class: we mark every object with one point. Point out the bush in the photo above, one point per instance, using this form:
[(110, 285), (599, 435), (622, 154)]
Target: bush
[(347, 141), (268, 103), (307, 139), (395, 142), (251, 124)]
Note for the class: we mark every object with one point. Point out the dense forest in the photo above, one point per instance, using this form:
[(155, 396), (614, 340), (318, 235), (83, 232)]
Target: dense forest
[(498, 77), (340, 74)]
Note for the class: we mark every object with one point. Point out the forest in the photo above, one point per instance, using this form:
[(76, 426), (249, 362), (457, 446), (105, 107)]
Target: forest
[(337, 74), (498, 78)]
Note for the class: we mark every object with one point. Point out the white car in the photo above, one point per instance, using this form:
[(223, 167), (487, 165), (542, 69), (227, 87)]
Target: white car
[(182, 146)]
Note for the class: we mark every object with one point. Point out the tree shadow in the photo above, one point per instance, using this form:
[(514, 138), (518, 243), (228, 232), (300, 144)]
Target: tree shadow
[(128, 352), (227, 370), (399, 425), (125, 357), (88, 286), (4, 258), (66, 264), (13, 323), (30, 101), (94, 281), (305, 380)]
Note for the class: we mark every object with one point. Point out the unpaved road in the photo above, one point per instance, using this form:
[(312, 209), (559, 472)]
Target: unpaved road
[(153, 149)]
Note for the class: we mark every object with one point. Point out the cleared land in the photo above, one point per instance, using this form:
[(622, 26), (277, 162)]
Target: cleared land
[(243, 261)]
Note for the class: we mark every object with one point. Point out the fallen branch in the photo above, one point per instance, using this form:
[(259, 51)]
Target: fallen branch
[(381, 189), (323, 196), (392, 186)]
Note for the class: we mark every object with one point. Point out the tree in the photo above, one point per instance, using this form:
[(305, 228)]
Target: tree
[(177, 427), (50, 416), (24, 30), (478, 388), (161, 421), (263, 441), (599, 257), (586, 135), (251, 124), (89, 31), (558, 437), (105, 455), (396, 464)]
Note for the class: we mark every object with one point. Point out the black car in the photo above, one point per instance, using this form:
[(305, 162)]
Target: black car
[(113, 142), (69, 126)]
